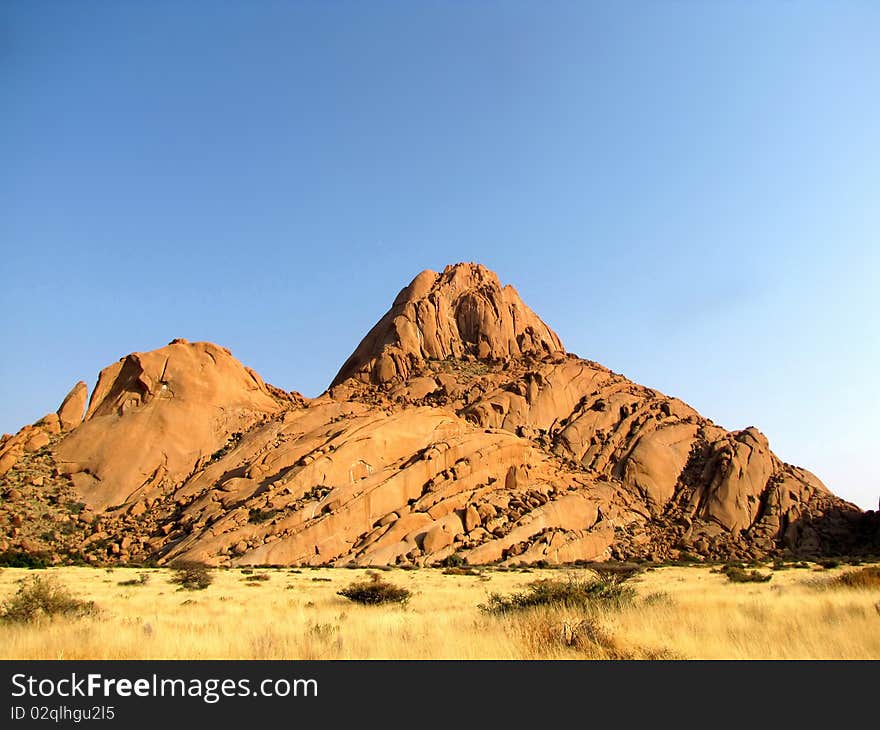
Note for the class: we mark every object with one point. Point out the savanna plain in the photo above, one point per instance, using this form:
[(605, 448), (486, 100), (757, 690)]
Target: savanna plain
[(785, 611)]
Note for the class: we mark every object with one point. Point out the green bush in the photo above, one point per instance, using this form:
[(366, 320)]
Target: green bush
[(22, 559), (375, 591), (191, 576), (452, 561), (42, 597), (257, 516), (736, 574), (572, 593)]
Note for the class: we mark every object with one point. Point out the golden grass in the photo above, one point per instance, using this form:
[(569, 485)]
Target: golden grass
[(685, 612)]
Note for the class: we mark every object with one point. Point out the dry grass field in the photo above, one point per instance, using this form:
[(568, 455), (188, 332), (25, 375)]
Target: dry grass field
[(677, 613)]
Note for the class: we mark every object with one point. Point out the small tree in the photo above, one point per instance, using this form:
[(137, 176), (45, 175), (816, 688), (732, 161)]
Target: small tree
[(41, 598), (191, 576), (375, 591)]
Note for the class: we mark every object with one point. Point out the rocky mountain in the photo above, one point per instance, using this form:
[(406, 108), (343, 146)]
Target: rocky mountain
[(459, 426)]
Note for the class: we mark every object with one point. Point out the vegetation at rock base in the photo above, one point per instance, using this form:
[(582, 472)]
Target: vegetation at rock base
[(23, 559), (453, 561)]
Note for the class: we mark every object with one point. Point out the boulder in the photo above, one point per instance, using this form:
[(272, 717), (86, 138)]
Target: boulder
[(73, 407), (472, 519)]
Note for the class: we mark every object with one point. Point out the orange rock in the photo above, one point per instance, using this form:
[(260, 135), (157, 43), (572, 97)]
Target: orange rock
[(462, 311), (51, 424), (459, 424), (171, 409), (471, 519), (72, 408), (37, 441)]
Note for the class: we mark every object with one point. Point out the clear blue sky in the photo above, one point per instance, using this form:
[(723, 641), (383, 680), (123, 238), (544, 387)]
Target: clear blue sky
[(688, 192)]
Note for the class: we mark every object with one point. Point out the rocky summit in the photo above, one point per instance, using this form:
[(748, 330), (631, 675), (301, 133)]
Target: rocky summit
[(458, 428)]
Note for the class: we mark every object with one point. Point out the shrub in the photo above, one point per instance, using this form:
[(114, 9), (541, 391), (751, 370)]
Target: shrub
[(257, 577), (141, 580), (867, 577), (22, 559), (686, 558), (230, 444), (829, 563), (191, 576), (459, 571), (257, 516), (452, 561), (728, 566), (615, 572), (572, 593), (735, 574), (42, 597), (375, 591)]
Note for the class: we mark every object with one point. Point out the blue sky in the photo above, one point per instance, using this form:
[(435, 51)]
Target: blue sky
[(686, 192)]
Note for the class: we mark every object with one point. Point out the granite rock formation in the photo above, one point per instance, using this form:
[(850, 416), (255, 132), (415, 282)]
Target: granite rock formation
[(459, 426)]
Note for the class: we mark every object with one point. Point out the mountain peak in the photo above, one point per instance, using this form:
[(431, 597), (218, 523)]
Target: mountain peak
[(464, 311)]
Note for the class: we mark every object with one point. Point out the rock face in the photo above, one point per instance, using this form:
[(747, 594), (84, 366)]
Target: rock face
[(463, 312), (155, 416), (73, 407), (458, 426)]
